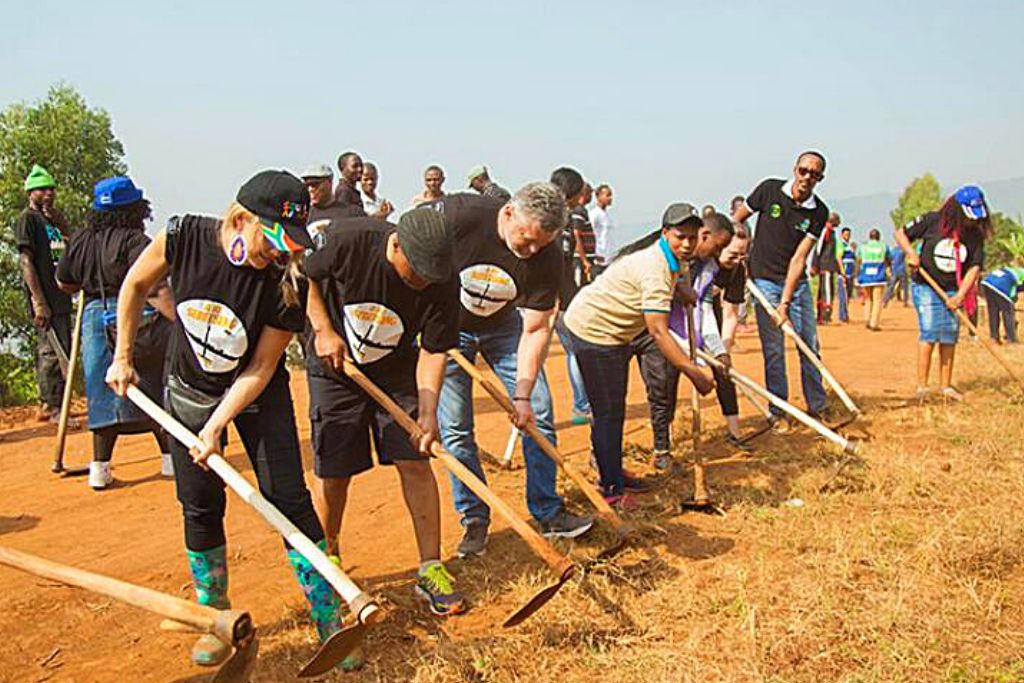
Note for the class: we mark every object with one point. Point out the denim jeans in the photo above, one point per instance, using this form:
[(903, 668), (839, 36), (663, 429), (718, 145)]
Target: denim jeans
[(580, 403), (773, 347), (843, 297), (455, 414), (661, 379), (606, 375)]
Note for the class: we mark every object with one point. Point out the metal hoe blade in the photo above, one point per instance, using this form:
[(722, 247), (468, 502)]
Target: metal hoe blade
[(334, 649), (238, 668), (538, 601)]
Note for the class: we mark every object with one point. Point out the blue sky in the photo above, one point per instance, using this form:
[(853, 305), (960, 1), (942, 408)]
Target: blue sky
[(664, 100)]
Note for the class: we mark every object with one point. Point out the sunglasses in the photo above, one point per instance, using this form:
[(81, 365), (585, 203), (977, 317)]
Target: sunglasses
[(805, 172)]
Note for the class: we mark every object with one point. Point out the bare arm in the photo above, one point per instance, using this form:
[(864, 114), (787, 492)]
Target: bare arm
[(902, 239), (429, 377), (148, 269), (163, 301), (327, 343), (742, 213), (533, 348), (657, 326), (793, 274), (40, 309)]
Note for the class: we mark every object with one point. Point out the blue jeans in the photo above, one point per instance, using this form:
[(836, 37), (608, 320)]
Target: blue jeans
[(455, 414), (606, 374), (843, 295), (773, 347), (580, 403)]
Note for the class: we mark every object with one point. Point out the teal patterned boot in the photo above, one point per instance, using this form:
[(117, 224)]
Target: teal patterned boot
[(210, 578), (324, 603)]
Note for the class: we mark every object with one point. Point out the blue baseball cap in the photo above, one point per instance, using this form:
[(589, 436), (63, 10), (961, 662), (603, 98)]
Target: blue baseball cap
[(111, 193), (972, 201)]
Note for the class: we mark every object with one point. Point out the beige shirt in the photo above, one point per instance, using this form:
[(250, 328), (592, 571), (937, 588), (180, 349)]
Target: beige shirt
[(610, 310)]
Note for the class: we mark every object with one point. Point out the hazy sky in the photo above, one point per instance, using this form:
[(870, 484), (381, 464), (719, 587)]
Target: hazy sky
[(664, 100)]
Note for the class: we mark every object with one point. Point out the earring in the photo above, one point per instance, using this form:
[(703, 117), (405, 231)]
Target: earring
[(236, 251)]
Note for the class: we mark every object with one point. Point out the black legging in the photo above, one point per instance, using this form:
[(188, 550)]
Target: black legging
[(104, 438), (271, 441)]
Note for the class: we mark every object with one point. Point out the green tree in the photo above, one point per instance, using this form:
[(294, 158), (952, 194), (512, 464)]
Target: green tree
[(920, 196), (76, 144), (1007, 244)]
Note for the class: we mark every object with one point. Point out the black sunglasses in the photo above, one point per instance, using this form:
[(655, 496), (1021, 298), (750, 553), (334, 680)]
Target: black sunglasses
[(804, 172)]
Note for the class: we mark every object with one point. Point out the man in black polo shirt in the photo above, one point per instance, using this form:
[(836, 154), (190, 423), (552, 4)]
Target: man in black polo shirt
[(509, 268), (790, 218)]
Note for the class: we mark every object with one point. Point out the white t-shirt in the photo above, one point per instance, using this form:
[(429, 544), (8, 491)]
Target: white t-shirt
[(372, 206), (604, 246)]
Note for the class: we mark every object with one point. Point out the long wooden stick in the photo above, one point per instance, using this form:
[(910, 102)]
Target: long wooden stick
[(603, 508), (970, 326), (700, 487), (229, 626), (362, 605), (804, 348), (559, 563), (69, 381)]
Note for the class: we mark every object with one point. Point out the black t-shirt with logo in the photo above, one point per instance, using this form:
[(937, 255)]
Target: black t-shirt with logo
[(222, 308), (781, 225), (34, 233), (494, 281), (733, 283), (939, 254), (113, 250), (371, 307)]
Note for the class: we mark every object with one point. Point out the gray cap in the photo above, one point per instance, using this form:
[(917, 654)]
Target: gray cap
[(426, 241), (318, 171), (679, 213)]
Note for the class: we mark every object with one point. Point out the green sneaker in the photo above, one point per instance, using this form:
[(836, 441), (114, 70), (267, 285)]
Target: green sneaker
[(437, 587)]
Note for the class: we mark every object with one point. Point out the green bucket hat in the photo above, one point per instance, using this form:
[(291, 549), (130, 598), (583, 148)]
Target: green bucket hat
[(38, 179)]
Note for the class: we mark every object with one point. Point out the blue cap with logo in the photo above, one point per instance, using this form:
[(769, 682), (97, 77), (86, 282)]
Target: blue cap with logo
[(972, 201), (112, 193)]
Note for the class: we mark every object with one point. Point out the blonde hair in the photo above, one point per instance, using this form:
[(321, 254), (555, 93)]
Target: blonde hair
[(291, 274)]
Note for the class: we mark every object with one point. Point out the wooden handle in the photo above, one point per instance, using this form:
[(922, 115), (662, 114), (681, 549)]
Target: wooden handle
[(69, 380), (694, 394), (970, 326), (182, 611), (597, 500), (362, 605), (559, 563), (804, 348)]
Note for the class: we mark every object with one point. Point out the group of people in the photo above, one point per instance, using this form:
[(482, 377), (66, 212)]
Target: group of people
[(201, 315)]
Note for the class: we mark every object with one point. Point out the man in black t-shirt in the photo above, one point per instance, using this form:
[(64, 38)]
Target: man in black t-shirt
[(350, 168), (373, 289), (40, 245), (506, 260), (790, 218)]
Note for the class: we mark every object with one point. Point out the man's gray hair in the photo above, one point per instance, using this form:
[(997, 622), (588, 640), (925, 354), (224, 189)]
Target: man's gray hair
[(544, 203)]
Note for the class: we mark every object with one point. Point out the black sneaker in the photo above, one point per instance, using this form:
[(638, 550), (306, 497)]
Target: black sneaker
[(473, 539), (636, 484), (566, 525)]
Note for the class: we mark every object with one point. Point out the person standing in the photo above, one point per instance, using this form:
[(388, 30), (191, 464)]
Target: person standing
[(897, 285), (872, 258), (509, 272), (479, 179), (743, 310), (790, 218), (374, 205), (634, 294), (325, 207), (350, 169), (1001, 288), (825, 264), (953, 254), (97, 260), (601, 221), (237, 311), (40, 238), (433, 186), (386, 296), (846, 255)]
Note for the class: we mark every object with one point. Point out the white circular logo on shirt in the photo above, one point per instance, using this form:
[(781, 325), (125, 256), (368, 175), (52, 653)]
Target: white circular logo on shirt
[(372, 331), (945, 255), (216, 335), (486, 289), (318, 231)]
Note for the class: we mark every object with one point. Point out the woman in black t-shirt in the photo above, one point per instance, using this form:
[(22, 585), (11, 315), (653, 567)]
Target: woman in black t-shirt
[(96, 261), (236, 313), (952, 251)]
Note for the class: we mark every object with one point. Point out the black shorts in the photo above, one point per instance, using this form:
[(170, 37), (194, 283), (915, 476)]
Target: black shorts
[(344, 418)]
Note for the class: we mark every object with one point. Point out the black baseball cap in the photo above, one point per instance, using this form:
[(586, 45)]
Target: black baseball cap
[(426, 241), (679, 213), (281, 202)]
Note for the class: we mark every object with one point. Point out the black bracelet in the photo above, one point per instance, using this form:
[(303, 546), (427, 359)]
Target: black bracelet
[(520, 398)]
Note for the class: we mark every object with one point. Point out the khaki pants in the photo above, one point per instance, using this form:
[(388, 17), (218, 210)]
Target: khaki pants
[(873, 305)]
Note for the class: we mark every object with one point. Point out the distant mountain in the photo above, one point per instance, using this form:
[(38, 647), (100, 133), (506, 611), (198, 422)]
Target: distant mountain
[(867, 211)]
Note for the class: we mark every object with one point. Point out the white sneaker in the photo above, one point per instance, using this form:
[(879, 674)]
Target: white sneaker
[(99, 475), (166, 465)]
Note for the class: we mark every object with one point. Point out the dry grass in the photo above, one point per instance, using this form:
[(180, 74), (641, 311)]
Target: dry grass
[(908, 567)]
